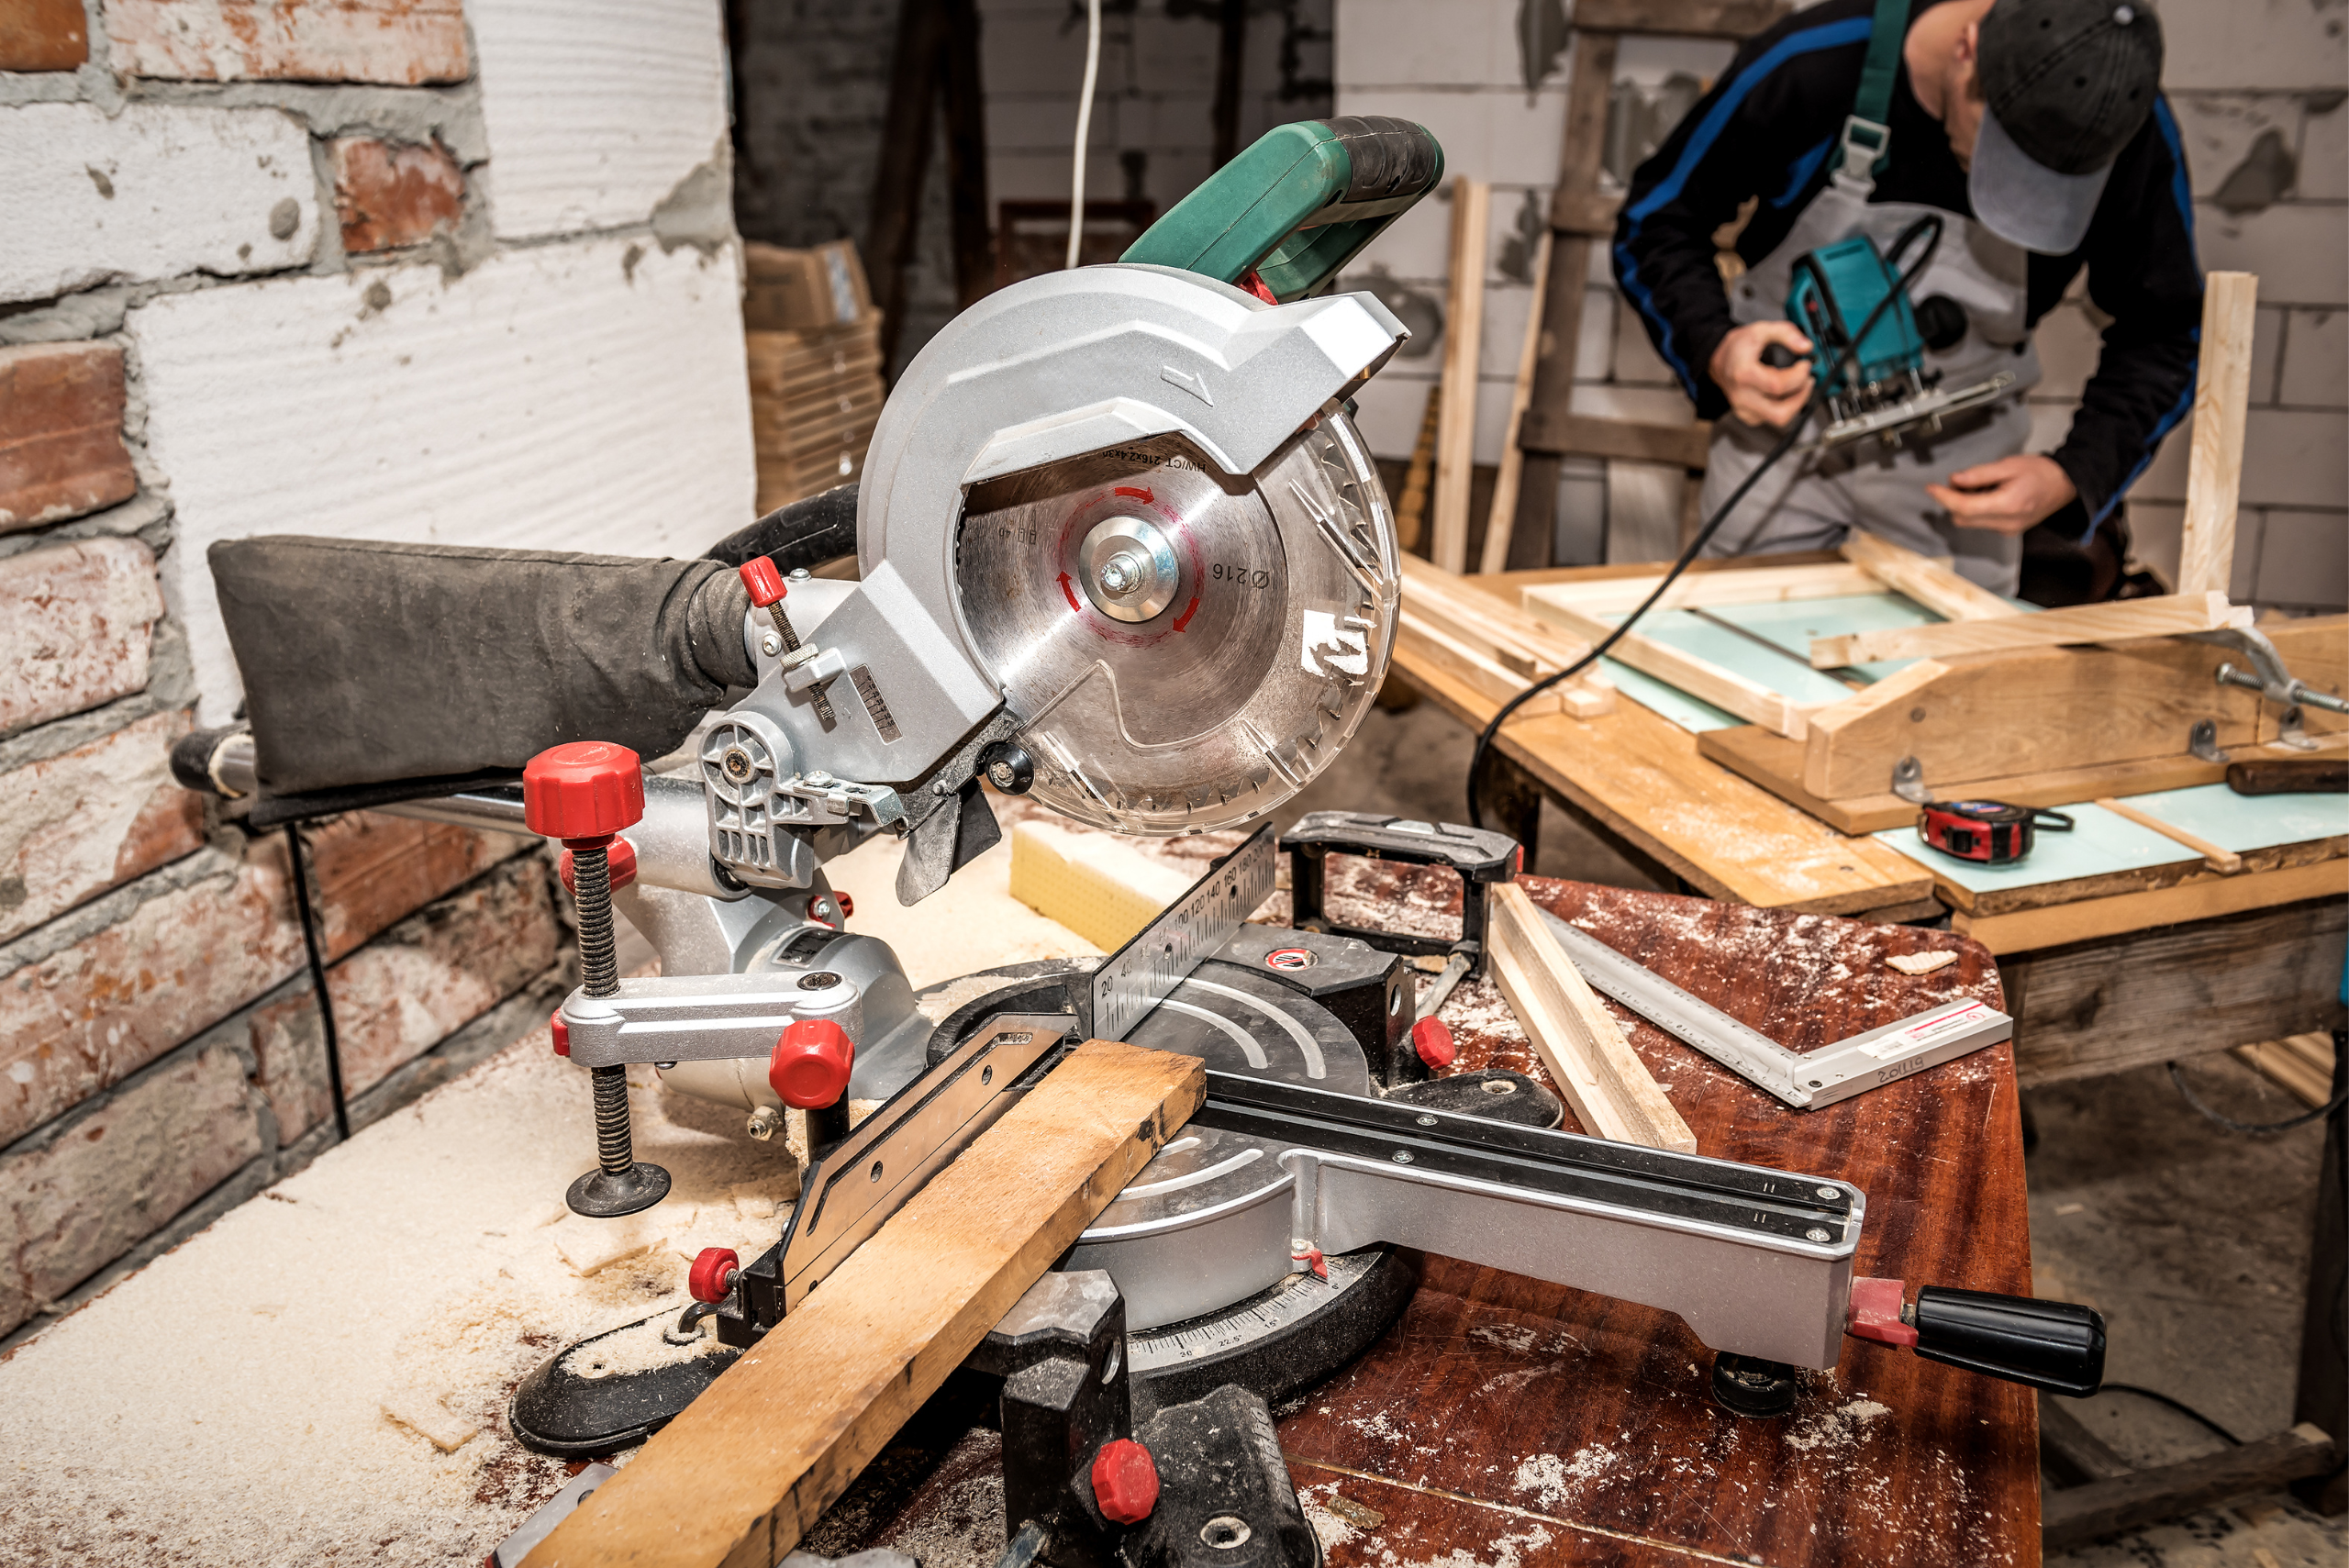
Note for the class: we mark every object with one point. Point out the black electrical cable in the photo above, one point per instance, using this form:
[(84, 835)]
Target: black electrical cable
[(2339, 1099), (2180, 1406), (319, 982), (1848, 360)]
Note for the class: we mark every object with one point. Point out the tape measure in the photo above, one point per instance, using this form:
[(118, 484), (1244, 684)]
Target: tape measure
[(1988, 831)]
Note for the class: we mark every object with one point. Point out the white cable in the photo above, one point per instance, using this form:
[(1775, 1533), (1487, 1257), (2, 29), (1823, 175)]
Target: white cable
[(1084, 127)]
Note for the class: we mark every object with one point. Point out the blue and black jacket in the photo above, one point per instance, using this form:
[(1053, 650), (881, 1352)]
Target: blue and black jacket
[(1768, 129)]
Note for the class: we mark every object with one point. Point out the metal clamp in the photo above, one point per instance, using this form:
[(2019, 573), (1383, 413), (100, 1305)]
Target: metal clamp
[(2267, 676)]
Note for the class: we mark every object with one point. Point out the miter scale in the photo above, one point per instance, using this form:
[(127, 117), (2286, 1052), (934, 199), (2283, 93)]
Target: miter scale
[(1121, 549)]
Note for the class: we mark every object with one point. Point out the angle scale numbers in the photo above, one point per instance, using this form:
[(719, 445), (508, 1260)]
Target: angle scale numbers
[(1280, 1307)]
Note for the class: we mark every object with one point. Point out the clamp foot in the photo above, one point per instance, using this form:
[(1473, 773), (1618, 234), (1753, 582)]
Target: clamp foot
[(608, 1195), (1752, 1386)]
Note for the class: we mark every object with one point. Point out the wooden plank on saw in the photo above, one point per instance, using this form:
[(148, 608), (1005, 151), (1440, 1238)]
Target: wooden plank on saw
[(2221, 399), (2118, 621), (1612, 1092), (1464, 338), (738, 1477), (1701, 678), (1931, 584)]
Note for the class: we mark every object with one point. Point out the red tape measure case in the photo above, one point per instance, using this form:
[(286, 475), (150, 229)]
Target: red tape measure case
[(1989, 832)]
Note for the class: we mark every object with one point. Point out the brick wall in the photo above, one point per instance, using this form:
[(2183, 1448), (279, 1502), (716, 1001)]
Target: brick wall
[(396, 269), (2259, 91)]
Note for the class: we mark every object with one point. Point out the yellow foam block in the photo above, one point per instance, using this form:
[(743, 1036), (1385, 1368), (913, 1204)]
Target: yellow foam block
[(1091, 882)]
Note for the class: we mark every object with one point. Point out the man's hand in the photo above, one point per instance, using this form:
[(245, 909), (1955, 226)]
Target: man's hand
[(2005, 496), (1757, 393)]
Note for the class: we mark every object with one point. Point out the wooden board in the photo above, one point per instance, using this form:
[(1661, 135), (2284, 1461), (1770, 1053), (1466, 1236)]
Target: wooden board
[(1775, 763), (2224, 861), (1464, 338), (1700, 678), (2221, 402), (1611, 1089), (1755, 586), (1640, 777), (2198, 897), (2165, 615), (738, 1477), (1932, 583)]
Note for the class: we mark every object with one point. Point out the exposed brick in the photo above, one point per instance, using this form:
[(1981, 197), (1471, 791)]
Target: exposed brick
[(72, 1206), (390, 194), (91, 820), (43, 35), (60, 432), (75, 622), (406, 991), (403, 42), (89, 1016)]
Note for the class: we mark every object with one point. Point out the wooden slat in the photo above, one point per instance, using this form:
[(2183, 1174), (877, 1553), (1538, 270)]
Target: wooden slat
[(1501, 519), (2116, 621), (1755, 586), (2222, 398), (1463, 336), (1612, 1092), (2074, 1515), (1590, 215), (1419, 479), (1524, 642), (2198, 899), (1427, 643), (1725, 689), (2291, 1065), (1580, 435), (1931, 584), (2226, 863), (1734, 20), (738, 1477)]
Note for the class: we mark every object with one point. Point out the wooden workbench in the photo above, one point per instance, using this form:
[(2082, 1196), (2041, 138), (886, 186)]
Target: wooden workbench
[(1517, 1422), (2211, 962)]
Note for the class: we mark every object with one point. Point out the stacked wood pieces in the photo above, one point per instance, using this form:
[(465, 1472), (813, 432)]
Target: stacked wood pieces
[(1492, 645), (739, 1476), (812, 339), (1611, 1089), (2301, 1063)]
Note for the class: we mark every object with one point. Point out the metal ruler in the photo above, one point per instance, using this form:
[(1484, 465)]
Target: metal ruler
[(1805, 1080), (1193, 929)]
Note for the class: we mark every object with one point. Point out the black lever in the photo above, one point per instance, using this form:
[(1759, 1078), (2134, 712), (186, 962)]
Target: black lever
[(1779, 357), (2055, 1345)]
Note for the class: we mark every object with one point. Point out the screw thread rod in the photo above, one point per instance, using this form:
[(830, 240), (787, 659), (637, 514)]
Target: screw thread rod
[(615, 1151), (591, 879)]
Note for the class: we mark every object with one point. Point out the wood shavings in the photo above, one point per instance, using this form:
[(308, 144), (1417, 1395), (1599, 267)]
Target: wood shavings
[(428, 1418), (1922, 963), (760, 1200), (591, 1246)]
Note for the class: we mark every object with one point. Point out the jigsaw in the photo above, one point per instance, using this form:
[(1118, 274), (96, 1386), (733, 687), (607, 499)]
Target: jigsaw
[(1118, 548)]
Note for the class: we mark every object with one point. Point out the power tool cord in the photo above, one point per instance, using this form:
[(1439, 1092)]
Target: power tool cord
[(315, 950), (1847, 360), (2339, 1099)]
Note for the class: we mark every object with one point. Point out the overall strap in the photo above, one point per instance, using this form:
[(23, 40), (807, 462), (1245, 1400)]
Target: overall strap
[(1867, 136)]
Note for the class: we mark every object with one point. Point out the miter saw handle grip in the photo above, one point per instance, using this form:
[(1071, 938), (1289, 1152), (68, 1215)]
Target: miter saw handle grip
[(1480, 856), (2055, 1345), (1298, 203)]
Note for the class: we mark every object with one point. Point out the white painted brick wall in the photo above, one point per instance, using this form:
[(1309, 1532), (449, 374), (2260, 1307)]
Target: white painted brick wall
[(595, 108), (157, 190), (592, 395)]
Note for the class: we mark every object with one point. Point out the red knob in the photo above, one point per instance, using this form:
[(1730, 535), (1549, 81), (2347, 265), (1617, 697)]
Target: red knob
[(1873, 1313), (561, 1031), (1435, 1043), (621, 857), (763, 579), (712, 1275), (583, 793), (811, 1063), (1125, 1482)]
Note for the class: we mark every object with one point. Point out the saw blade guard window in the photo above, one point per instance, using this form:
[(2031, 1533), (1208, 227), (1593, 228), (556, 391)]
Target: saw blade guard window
[(1194, 646)]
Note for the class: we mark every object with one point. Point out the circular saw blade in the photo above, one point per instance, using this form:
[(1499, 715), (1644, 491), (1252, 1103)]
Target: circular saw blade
[(1271, 600)]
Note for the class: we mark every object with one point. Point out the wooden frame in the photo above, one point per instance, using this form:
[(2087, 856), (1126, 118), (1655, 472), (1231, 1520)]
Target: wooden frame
[(1491, 646)]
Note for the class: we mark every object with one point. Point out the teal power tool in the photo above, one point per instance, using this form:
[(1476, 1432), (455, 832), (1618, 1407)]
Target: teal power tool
[(1883, 390), (1281, 220)]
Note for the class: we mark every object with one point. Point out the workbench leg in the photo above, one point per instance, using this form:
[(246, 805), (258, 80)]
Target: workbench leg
[(1511, 800), (2324, 1371)]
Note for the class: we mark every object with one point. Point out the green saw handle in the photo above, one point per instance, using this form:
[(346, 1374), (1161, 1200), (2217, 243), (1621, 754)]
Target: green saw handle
[(1298, 205)]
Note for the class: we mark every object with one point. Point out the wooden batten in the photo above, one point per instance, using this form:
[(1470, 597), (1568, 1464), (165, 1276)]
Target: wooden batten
[(1755, 586), (1725, 689), (2221, 412), (1935, 585), (2119, 621), (1463, 336)]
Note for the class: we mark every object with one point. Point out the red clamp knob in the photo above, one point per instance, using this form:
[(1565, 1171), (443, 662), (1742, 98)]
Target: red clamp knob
[(1435, 1043), (712, 1275), (621, 857), (583, 793), (1125, 1482), (557, 1027), (764, 583), (1875, 1314), (811, 1063)]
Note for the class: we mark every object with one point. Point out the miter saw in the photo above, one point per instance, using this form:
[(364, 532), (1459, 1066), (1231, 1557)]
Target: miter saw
[(1119, 547)]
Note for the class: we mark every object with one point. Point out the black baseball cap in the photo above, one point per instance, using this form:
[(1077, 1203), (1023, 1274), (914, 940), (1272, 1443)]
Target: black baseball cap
[(2066, 85)]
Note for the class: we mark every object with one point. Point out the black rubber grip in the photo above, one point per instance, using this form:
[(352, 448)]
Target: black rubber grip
[(2055, 1345), (1478, 855), (192, 758), (1389, 156), (1779, 357)]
